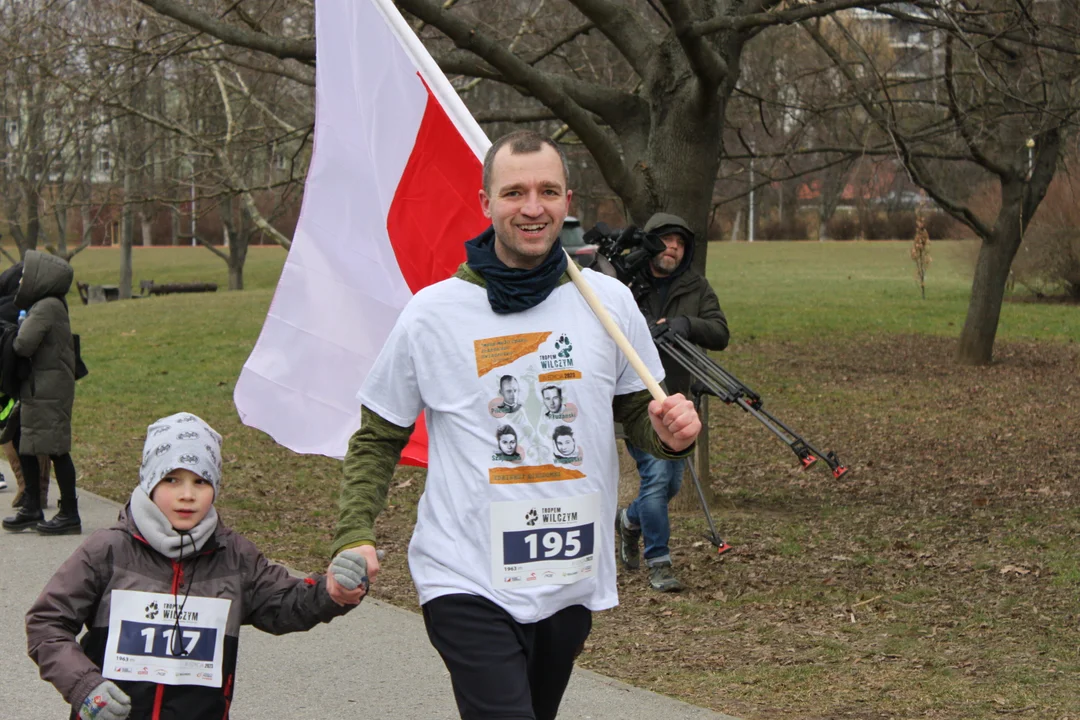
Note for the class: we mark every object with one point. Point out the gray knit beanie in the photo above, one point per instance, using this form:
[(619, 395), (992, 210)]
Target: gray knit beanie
[(182, 440)]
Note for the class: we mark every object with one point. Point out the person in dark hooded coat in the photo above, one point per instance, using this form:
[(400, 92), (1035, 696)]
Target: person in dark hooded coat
[(9, 285), (682, 300), (48, 394)]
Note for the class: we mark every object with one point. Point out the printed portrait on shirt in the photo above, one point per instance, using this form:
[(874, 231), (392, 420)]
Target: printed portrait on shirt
[(507, 448), (509, 399), (556, 406), (564, 446)]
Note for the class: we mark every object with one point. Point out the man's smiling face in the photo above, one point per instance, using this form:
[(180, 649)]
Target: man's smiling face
[(527, 203)]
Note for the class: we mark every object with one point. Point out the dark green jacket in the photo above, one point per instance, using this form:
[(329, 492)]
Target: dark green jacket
[(690, 295), (47, 396)]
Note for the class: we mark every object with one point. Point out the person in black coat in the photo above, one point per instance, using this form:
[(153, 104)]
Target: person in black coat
[(9, 286)]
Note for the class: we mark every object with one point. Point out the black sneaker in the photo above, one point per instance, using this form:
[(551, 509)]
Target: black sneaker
[(662, 578), (629, 537)]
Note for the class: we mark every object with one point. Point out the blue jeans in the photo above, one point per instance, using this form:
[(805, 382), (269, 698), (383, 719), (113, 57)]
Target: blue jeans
[(660, 481)]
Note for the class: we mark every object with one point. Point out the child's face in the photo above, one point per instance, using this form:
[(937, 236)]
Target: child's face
[(508, 444), (184, 497), (565, 443)]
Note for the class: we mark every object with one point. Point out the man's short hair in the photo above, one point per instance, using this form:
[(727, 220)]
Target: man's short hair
[(522, 142), (560, 431), (504, 430), (505, 379), (556, 388)]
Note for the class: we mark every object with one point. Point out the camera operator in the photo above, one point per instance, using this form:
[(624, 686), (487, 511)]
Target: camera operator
[(682, 300)]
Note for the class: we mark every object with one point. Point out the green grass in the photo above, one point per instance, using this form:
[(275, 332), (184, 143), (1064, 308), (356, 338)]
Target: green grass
[(778, 641), (791, 291), (101, 266)]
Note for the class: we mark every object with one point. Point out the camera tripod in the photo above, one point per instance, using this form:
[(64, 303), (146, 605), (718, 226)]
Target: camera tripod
[(710, 378)]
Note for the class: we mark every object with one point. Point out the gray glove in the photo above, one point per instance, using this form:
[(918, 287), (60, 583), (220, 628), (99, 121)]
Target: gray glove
[(105, 702), (350, 570)]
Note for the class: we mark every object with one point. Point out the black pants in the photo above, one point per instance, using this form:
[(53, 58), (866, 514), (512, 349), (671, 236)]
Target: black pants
[(501, 668), (65, 478)]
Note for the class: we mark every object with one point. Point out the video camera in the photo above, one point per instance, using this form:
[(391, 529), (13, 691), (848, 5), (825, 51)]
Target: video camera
[(629, 252)]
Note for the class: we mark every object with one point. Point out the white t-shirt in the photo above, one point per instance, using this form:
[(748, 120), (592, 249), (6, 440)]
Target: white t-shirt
[(522, 484)]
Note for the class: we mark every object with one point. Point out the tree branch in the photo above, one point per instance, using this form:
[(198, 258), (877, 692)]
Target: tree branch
[(299, 49), (1042, 172), (625, 30), (261, 222), (958, 119), (994, 34), (780, 17), (545, 87), (310, 82), (565, 39), (911, 162), (614, 107), (514, 115), (709, 67), (206, 244), (70, 253), (231, 175)]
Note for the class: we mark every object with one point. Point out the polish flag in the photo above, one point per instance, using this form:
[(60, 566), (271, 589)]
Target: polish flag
[(390, 199)]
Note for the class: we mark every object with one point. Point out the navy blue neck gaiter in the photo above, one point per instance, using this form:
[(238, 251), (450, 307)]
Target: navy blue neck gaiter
[(512, 290)]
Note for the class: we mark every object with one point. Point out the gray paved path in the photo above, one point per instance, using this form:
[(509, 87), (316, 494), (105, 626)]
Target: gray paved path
[(382, 667)]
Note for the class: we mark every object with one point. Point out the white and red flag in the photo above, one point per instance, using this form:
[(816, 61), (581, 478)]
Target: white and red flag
[(390, 199)]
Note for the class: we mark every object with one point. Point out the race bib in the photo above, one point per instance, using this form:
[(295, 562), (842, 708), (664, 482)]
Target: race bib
[(146, 644), (544, 542)]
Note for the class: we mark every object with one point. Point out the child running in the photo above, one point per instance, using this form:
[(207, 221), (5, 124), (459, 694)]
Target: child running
[(163, 594)]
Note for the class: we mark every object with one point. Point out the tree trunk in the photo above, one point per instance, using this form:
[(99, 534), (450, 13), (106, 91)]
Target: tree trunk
[(87, 224), (236, 276), (61, 229), (991, 273), (175, 238), (127, 234), (28, 239), (237, 238), (146, 227), (681, 164)]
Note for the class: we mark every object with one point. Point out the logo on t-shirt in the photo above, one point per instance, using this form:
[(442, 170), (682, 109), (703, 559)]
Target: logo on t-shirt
[(561, 357)]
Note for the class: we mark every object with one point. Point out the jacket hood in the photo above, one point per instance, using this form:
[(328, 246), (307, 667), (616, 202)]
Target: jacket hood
[(664, 223), (43, 276), (9, 280), (9, 285)]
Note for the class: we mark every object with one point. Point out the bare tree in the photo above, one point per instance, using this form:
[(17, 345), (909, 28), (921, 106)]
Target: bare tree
[(1003, 105), (39, 127), (652, 121)]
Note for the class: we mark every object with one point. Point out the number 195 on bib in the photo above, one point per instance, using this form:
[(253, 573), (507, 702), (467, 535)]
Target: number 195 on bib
[(564, 543)]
